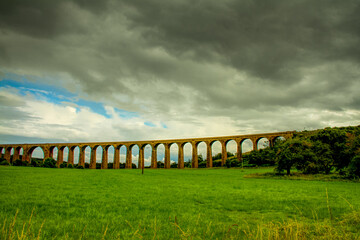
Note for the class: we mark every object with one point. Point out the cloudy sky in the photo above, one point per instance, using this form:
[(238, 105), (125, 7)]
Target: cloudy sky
[(77, 70)]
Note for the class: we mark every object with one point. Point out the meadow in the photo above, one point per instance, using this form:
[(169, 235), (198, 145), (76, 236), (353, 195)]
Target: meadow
[(43, 203)]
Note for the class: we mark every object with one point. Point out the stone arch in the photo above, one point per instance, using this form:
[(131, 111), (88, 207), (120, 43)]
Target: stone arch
[(96, 156), (18, 153), (53, 152), (247, 145), (123, 152), (74, 155), (60, 155), (85, 156), (109, 157), (160, 155), (216, 153), (147, 148), (116, 164), (36, 152), (202, 154), (276, 139), (262, 142), (187, 154), (9, 153), (231, 147), (174, 155), (2, 151), (134, 149)]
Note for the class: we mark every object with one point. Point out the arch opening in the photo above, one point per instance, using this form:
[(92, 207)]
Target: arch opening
[(216, 153), (246, 146), (160, 155), (54, 152), (98, 156), (87, 155), (63, 153), (231, 148), (263, 143), (110, 156), (174, 155), (76, 151), (147, 155), (279, 139), (123, 152), (36, 154), (135, 155), (202, 154), (232, 152), (187, 155)]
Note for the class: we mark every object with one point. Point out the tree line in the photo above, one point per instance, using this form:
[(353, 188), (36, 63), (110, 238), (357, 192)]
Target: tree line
[(312, 152)]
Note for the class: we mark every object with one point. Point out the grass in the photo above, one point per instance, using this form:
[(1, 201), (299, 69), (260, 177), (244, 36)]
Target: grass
[(300, 176), (39, 203)]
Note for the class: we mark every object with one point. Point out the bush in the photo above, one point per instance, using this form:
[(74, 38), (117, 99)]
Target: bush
[(202, 164), (35, 163), (63, 165), (49, 163), (69, 165), (87, 165), (133, 165), (160, 164), (79, 167), (217, 163), (18, 162), (4, 163), (228, 163)]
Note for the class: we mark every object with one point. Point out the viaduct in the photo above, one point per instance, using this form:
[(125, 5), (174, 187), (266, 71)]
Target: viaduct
[(48, 149)]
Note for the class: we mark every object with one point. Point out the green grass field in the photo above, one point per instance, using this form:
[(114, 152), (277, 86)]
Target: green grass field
[(170, 204)]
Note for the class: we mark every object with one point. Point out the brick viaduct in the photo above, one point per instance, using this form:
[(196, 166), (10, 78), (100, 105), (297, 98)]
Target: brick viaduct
[(48, 149)]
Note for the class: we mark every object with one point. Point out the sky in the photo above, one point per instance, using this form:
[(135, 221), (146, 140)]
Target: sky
[(87, 71)]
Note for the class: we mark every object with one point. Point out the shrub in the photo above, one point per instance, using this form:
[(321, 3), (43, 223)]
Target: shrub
[(33, 163), (4, 163), (133, 165), (69, 165), (202, 164), (79, 167), (160, 164), (49, 163), (62, 165), (87, 165), (228, 163), (217, 163), (19, 162)]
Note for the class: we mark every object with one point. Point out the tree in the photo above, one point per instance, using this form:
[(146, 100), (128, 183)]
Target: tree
[(49, 163), (336, 140), (291, 154)]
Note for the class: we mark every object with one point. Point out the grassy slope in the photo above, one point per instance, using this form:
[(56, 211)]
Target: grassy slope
[(206, 203)]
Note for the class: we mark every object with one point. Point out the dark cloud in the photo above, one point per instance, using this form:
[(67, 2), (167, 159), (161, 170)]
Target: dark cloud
[(200, 59), (270, 40)]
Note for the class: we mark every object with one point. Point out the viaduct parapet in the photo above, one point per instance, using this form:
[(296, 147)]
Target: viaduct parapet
[(14, 150)]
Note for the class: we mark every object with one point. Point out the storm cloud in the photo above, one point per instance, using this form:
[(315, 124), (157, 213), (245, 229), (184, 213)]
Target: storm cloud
[(253, 65)]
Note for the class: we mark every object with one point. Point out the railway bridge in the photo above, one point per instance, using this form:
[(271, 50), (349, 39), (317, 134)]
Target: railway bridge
[(15, 150)]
